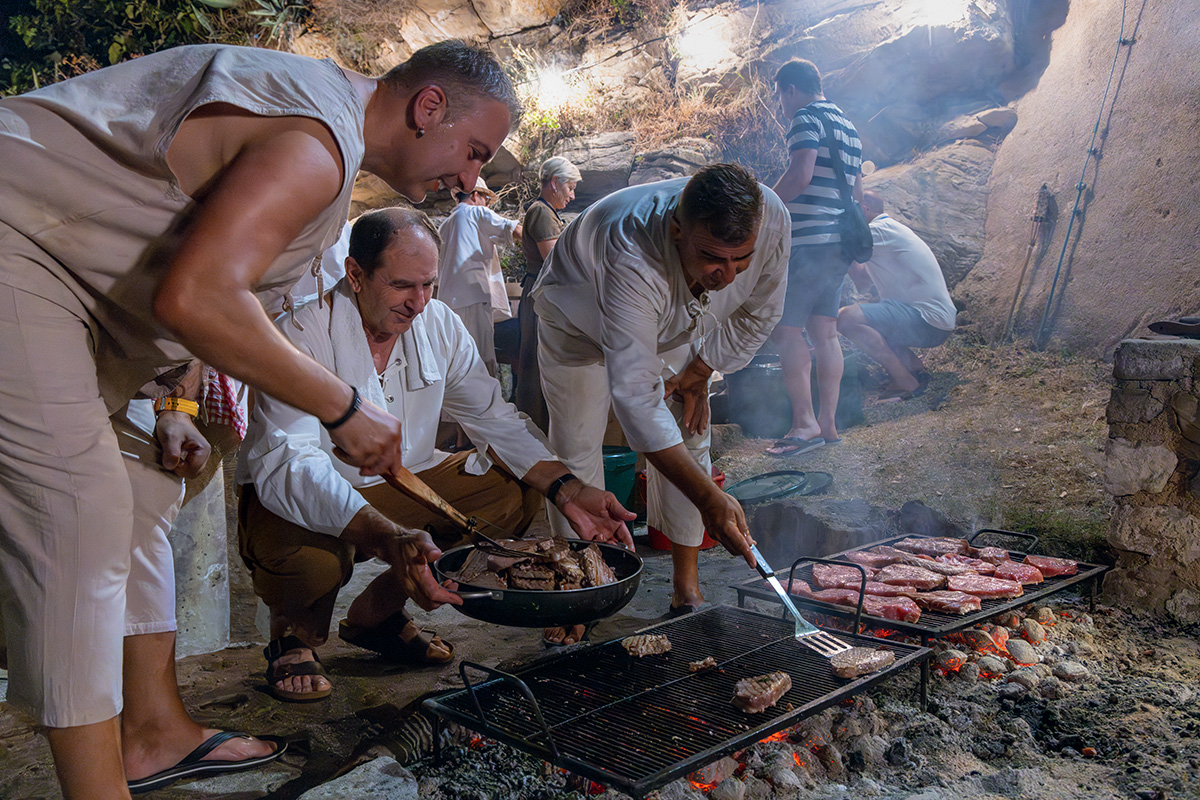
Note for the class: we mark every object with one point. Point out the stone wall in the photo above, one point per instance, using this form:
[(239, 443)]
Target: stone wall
[(1153, 458)]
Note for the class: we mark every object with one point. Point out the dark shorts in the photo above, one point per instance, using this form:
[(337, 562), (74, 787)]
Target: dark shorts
[(815, 274), (901, 325)]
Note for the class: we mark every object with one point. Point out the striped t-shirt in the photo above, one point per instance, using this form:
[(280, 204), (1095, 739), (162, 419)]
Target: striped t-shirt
[(815, 213)]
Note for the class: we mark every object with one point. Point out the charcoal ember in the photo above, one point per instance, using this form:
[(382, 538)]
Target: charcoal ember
[(707, 662), (646, 644), (969, 672), (756, 694), (860, 661), (1032, 631), (1022, 652), (993, 667), (531, 576), (934, 545), (598, 573)]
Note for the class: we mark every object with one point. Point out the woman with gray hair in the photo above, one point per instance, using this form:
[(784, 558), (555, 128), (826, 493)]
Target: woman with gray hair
[(541, 228)]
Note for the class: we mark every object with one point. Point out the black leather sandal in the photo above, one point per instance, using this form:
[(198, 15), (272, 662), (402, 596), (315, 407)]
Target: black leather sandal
[(274, 674)]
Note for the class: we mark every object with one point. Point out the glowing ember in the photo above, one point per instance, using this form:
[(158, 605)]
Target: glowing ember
[(776, 737)]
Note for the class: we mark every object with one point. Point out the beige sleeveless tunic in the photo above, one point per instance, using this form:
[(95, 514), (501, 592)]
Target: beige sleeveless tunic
[(83, 174)]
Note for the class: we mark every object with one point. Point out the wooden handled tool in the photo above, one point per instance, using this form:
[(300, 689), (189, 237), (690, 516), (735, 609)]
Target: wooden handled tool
[(402, 479)]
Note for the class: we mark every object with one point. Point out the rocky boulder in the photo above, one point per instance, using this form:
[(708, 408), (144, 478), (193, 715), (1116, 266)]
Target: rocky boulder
[(605, 161), (942, 195), (681, 157)]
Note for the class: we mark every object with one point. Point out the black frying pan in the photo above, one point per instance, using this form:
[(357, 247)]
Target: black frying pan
[(525, 608)]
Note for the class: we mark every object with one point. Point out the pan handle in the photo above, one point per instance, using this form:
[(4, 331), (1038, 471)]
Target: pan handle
[(1018, 534), (486, 595), (522, 687)]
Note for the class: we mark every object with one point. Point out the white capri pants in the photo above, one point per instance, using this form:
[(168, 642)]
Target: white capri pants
[(84, 558), (477, 318), (578, 399)]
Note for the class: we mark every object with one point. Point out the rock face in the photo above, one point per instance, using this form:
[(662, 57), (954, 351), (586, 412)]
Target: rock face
[(942, 196), (605, 162), (1134, 193), (1154, 444), (383, 778), (680, 158)]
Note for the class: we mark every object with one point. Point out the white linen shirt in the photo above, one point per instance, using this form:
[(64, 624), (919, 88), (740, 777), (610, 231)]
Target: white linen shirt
[(469, 266), (904, 269), (615, 286), (287, 453)]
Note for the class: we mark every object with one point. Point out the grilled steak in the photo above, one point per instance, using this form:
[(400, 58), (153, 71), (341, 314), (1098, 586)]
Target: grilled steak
[(985, 587), (753, 695), (1024, 574), (598, 573), (830, 576), (474, 568), (531, 576), (978, 565), (646, 644), (902, 609), (702, 664), (889, 590), (933, 546), (871, 559), (1053, 567), (908, 575), (860, 661), (993, 555), (948, 602), (570, 574)]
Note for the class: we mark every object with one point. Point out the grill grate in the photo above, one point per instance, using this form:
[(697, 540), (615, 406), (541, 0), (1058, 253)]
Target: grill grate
[(932, 623), (638, 723)]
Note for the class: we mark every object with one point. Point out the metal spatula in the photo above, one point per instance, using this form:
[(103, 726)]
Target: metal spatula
[(806, 633)]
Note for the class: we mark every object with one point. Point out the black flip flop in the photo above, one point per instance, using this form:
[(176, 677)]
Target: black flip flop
[(802, 446), (191, 765), (1187, 327)]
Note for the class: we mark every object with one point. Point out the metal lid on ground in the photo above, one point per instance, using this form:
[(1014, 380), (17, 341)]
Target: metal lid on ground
[(777, 485)]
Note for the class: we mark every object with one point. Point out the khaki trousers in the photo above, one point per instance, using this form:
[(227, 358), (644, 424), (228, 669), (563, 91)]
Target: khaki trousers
[(84, 558), (294, 569)]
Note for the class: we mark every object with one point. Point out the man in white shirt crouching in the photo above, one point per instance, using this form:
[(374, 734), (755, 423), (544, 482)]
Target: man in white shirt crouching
[(305, 517), (644, 295)]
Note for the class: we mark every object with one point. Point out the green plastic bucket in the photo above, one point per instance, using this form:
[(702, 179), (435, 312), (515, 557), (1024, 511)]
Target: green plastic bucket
[(619, 472)]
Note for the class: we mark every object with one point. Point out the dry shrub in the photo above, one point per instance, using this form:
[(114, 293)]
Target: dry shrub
[(358, 27)]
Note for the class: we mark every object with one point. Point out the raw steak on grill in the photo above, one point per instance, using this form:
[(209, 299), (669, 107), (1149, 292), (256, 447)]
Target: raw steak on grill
[(831, 576), (860, 661), (992, 555), (940, 567), (1024, 574), (646, 644), (948, 602), (901, 609), (908, 575), (976, 564), (933, 546), (759, 693), (889, 589), (1053, 567), (871, 559), (985, 587)]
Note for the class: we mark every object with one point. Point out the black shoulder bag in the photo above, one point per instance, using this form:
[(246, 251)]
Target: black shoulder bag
[(852, 223)]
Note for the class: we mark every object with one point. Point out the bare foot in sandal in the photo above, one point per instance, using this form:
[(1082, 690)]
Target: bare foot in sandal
[(556, 637), (294, 672)]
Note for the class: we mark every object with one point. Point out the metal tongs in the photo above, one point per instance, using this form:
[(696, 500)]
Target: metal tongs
[(402, 479), (808, 634)]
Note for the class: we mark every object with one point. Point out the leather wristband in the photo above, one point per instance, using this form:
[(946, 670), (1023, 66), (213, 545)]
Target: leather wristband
[(559, 483), (180, 404), (355, 402)]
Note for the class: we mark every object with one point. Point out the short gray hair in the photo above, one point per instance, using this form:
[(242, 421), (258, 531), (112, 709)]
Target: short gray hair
[(558, 167), (461, 70)]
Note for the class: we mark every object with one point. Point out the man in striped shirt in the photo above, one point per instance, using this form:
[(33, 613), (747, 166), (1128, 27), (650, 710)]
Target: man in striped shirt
[(817, 266)]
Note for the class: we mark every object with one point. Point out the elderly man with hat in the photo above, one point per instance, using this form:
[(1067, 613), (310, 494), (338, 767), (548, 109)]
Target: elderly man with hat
[(469, 276)]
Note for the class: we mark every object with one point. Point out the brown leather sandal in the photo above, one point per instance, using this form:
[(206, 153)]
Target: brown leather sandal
[(274, 674), (385, 639)]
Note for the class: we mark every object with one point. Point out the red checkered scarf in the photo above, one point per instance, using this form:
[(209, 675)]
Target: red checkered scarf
[(221, 406)]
